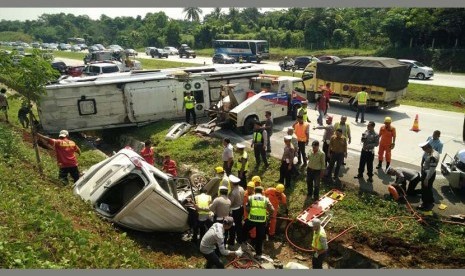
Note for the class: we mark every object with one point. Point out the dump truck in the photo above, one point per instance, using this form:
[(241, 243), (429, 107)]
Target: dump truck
[(135, 98), (281, 95), (385, 79)]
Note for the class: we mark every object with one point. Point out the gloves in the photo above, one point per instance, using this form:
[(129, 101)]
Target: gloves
[(239, 252)]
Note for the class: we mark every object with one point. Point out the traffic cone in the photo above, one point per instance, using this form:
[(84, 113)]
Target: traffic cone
[(415, 126)]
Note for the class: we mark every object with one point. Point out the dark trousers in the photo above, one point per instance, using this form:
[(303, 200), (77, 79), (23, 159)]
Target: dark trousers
[(360, 109), (260, 228), (317, 263), (285, 174), (202, 227), (338, 158), (243, 178), (190, 112), (366, 157), (268, 143), (411, 186), (213, 260), (236, 230), (226, 168), (427, 190), (63, 174), (326, 151), (260, 154), (313, 183), (301, 152)]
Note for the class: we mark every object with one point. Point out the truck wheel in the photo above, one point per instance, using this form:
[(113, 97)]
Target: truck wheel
[(248, 125), (421, 76)]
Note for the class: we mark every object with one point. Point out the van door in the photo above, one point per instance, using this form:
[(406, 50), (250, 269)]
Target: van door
[(150, 101)]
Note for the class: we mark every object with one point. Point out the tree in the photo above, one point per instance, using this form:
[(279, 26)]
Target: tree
[(192, 14)]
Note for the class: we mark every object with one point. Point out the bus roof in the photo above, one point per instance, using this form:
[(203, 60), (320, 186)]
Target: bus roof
[(240, 40)]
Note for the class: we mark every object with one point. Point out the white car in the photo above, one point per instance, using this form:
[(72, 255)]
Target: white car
[(419, 70), (171, 50), (128, 191)]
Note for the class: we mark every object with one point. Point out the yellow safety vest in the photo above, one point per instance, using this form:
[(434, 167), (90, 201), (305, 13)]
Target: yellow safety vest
[(316, 238), (189, 102), (239, 162), (203, 201), (257, 209), (347, 129), (304, 113), (362, 97), (258, 137)]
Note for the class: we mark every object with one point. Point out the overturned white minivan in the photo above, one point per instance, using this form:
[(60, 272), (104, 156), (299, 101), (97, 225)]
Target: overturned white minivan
[(130, 192)]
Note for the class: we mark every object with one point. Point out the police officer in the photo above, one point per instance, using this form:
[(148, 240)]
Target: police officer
[(303, 112), (242, 164), (189, 105), (259, 142), (370, 140), (361, 98)]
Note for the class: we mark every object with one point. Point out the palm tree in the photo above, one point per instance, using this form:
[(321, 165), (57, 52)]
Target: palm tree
[(216, 13), (192, 14)]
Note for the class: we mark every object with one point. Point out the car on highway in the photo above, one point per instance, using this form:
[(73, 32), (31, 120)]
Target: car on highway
[(329, 59), (171, 50), (419, 70), (223, 58), (186, 51), (159, 52), (302, 61), (75, 48)]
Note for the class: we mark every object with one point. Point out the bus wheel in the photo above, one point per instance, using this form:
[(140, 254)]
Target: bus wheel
[(248, 125)]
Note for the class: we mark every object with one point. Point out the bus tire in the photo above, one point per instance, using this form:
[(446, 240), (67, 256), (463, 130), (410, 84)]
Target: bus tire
[(248, 125)]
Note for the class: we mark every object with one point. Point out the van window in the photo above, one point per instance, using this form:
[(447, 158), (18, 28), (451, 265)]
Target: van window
[(163, 184)]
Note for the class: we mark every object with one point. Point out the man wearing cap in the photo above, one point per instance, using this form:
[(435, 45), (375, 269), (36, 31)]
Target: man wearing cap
[(361, 98), (242, 164), (337, 151), (428, 175), (329, 132), (303, 112), (387, 141), (4, 103), (202, 201), (213, 239), (228, 156), (236, 196), (370, 140), (257, 207), (319, 244), (65, 151), (301, 129), (259, 143), (269, 129), (276, 197), (402, 176), (315, 170), (285, 171)]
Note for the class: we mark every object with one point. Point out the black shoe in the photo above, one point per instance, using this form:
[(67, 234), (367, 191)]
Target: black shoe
[(379, 166), (358, 176)]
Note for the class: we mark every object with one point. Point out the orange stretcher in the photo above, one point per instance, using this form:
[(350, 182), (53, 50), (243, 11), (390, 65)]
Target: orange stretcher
[(318, 208)]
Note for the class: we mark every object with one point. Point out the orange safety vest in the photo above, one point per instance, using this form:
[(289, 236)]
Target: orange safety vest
[(301, 132)]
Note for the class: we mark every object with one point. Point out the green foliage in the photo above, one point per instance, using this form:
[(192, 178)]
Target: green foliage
[(15, 36)]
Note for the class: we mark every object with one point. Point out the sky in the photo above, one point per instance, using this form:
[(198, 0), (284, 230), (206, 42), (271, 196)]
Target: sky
[(23, 14)]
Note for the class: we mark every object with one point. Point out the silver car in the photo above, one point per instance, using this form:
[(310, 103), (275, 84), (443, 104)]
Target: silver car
[(419, 70)]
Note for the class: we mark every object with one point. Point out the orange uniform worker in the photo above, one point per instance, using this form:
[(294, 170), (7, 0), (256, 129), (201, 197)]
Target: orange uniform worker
[(148, 152), (250, 191), (387, 141), (169, 166), (276, 197)]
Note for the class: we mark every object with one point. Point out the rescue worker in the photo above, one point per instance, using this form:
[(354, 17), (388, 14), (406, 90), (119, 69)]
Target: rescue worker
[(203, 220), (65, 151), (301, 129), (319, 244), (329, 132), (320, 106), (361, 98), (302, 111), (250, 191), (213, 239), (169, 166), (315, 170), (4, 103), (257, 207), (285, 171), (227, 156), (269, 130), (148, 152), (23, 115), (337, 151), (236, 196), (387, 141), (189, 105), (370, 140), (259, 143), (402, 176), (344, 127), (428, 175), (242, 164), (276, 197)]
